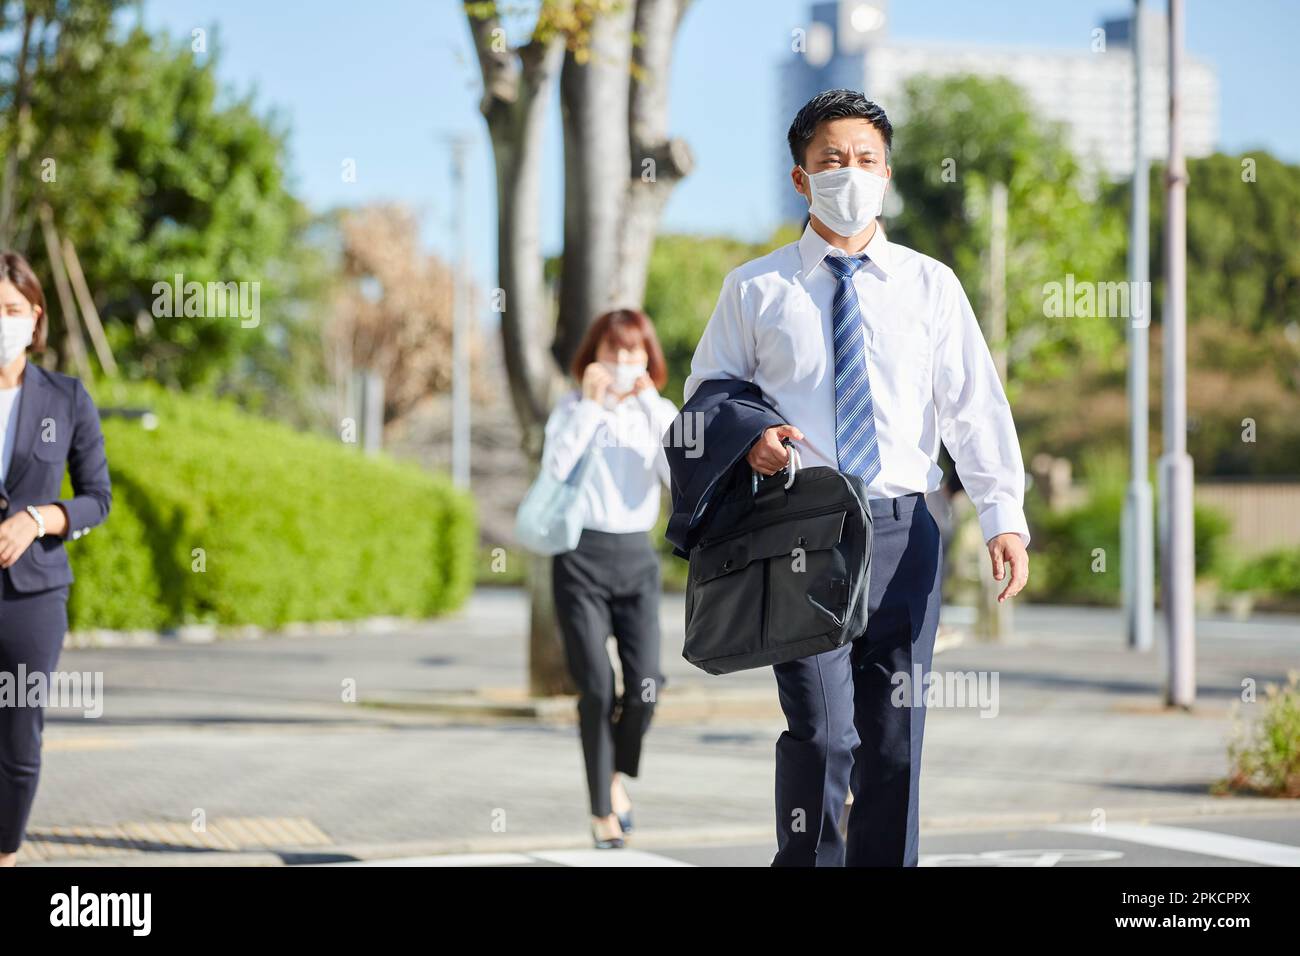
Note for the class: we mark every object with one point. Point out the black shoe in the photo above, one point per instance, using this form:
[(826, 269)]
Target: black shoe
[(625, 821)]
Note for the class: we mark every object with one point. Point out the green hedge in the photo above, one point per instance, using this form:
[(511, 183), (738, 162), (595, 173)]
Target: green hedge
[(222, 517), (1275, 574), (1061, 556)]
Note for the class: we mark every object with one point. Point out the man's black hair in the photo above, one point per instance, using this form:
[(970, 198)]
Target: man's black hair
[(832, 105)]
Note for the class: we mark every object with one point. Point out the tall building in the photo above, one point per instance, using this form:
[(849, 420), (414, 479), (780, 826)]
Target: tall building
[(1090, 91)]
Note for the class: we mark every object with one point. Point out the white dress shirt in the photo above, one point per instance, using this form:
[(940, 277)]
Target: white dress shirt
[(621, 493), (931, 373), (9, 401)]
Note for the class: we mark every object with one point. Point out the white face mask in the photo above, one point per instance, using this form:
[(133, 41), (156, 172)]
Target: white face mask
[(15, 335), (625, 375), (847, 199)]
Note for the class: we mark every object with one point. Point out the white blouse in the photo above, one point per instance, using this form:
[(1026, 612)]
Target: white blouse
[(621, 493), (8, 426)]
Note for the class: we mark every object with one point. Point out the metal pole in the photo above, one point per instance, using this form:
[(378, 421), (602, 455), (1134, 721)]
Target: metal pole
[(460, 371), (1138, 560), (994, 619), (1177, 564)]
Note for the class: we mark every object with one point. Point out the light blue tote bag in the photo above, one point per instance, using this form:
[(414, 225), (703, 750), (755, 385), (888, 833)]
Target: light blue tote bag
[(549, 519)]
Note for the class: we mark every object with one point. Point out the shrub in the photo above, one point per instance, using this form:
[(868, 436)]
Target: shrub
[(1275, 574), (1266, 757), (222, 517), (1063, 552)]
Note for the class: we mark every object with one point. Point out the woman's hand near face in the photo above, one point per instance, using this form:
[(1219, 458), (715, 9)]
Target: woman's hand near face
[(595, 382), (17, 532)]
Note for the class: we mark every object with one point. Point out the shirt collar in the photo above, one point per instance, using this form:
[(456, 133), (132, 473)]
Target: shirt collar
[(813, 249)]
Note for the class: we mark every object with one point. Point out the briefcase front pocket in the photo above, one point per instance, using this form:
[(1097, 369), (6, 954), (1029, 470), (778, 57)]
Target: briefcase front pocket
[(771, 586), (724, 614), (807, 591)]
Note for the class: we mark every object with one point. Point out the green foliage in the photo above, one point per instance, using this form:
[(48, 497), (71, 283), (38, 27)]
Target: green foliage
[(682, 287), (1076, 555), (152, 170), (982, 131), (1243, 263), (1265, 758), (284, 526), (1276, 574)]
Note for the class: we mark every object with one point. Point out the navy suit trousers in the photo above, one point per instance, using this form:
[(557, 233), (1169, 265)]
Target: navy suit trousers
[(845, 724)]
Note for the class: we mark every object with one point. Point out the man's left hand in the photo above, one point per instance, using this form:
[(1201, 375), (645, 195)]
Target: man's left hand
[(1009, 549)]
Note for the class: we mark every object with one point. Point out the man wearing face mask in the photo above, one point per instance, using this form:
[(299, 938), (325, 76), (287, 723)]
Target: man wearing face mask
[(872, 353)]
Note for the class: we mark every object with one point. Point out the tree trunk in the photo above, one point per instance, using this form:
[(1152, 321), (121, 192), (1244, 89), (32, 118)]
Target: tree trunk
[(614, 103), (658, 163), (516, 91), (593, 102)]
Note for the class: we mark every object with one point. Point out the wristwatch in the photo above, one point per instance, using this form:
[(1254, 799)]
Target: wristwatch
[(40, 522)]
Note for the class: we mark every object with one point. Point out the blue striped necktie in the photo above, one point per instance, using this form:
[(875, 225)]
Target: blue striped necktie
[(855, 417)]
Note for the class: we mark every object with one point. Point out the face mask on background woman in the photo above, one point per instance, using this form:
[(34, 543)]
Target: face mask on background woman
[(15, 335), (624, 374)]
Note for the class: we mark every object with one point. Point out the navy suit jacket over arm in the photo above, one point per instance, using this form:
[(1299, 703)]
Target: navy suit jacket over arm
[(709, 439), (58, 429)]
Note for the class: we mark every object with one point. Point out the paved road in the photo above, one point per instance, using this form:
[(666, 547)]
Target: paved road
[(1228, 842), (257, 739)]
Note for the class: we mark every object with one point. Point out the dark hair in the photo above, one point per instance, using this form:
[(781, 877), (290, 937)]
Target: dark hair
[(14, 268), (832, 105), (628, 328)]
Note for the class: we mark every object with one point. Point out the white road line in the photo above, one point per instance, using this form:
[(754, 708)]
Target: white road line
[(450, 859), (1194, 841), (623, 857)]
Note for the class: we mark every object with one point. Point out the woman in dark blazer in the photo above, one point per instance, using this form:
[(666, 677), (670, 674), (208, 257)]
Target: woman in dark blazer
[(48, 422)]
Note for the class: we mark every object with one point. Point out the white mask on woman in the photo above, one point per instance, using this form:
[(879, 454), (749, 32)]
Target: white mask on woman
[(15, 335), (847, 199), (624, 374)]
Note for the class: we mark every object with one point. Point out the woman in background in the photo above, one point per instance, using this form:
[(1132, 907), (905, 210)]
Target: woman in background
[(610, 583), (47, 422)]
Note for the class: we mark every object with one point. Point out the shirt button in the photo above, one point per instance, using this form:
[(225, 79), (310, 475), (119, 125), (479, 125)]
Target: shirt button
[(4, 503)]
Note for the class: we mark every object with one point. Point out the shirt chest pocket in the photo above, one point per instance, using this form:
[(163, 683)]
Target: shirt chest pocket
[(900, 368)]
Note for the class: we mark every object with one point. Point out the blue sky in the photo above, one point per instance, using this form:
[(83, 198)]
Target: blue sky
[(385, 82)]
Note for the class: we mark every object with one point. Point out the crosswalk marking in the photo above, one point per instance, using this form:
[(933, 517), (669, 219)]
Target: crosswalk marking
[(1194, 841), (449, 859), (623, 857)]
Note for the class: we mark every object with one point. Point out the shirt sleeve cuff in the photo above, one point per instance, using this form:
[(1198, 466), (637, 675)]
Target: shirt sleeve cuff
[(1004, 519)]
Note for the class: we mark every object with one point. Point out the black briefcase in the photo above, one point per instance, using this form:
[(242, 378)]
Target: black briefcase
[(782, 571)]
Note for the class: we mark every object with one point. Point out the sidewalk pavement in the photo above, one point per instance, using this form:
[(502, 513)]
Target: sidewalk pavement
[(256, 737)]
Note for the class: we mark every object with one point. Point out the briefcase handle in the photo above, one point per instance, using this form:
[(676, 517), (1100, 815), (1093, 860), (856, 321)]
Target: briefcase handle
[(792, 465)]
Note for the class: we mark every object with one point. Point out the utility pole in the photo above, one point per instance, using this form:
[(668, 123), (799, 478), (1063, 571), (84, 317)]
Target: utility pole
[(993, 622), (1138, 560), (1177, 566), (460, 329)]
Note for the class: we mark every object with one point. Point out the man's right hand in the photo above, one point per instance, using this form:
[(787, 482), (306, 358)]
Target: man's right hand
[(768, 455)]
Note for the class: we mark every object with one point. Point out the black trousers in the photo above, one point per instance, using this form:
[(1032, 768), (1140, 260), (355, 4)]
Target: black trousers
[(32, 627), (608, 585)]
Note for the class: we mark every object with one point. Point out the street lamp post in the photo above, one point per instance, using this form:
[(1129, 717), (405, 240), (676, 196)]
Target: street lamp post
[(1177, 564), (1138, 559), (460, 370)]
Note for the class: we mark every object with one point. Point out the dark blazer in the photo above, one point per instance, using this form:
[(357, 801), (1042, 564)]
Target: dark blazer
[(58, 427), (731, 416)]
